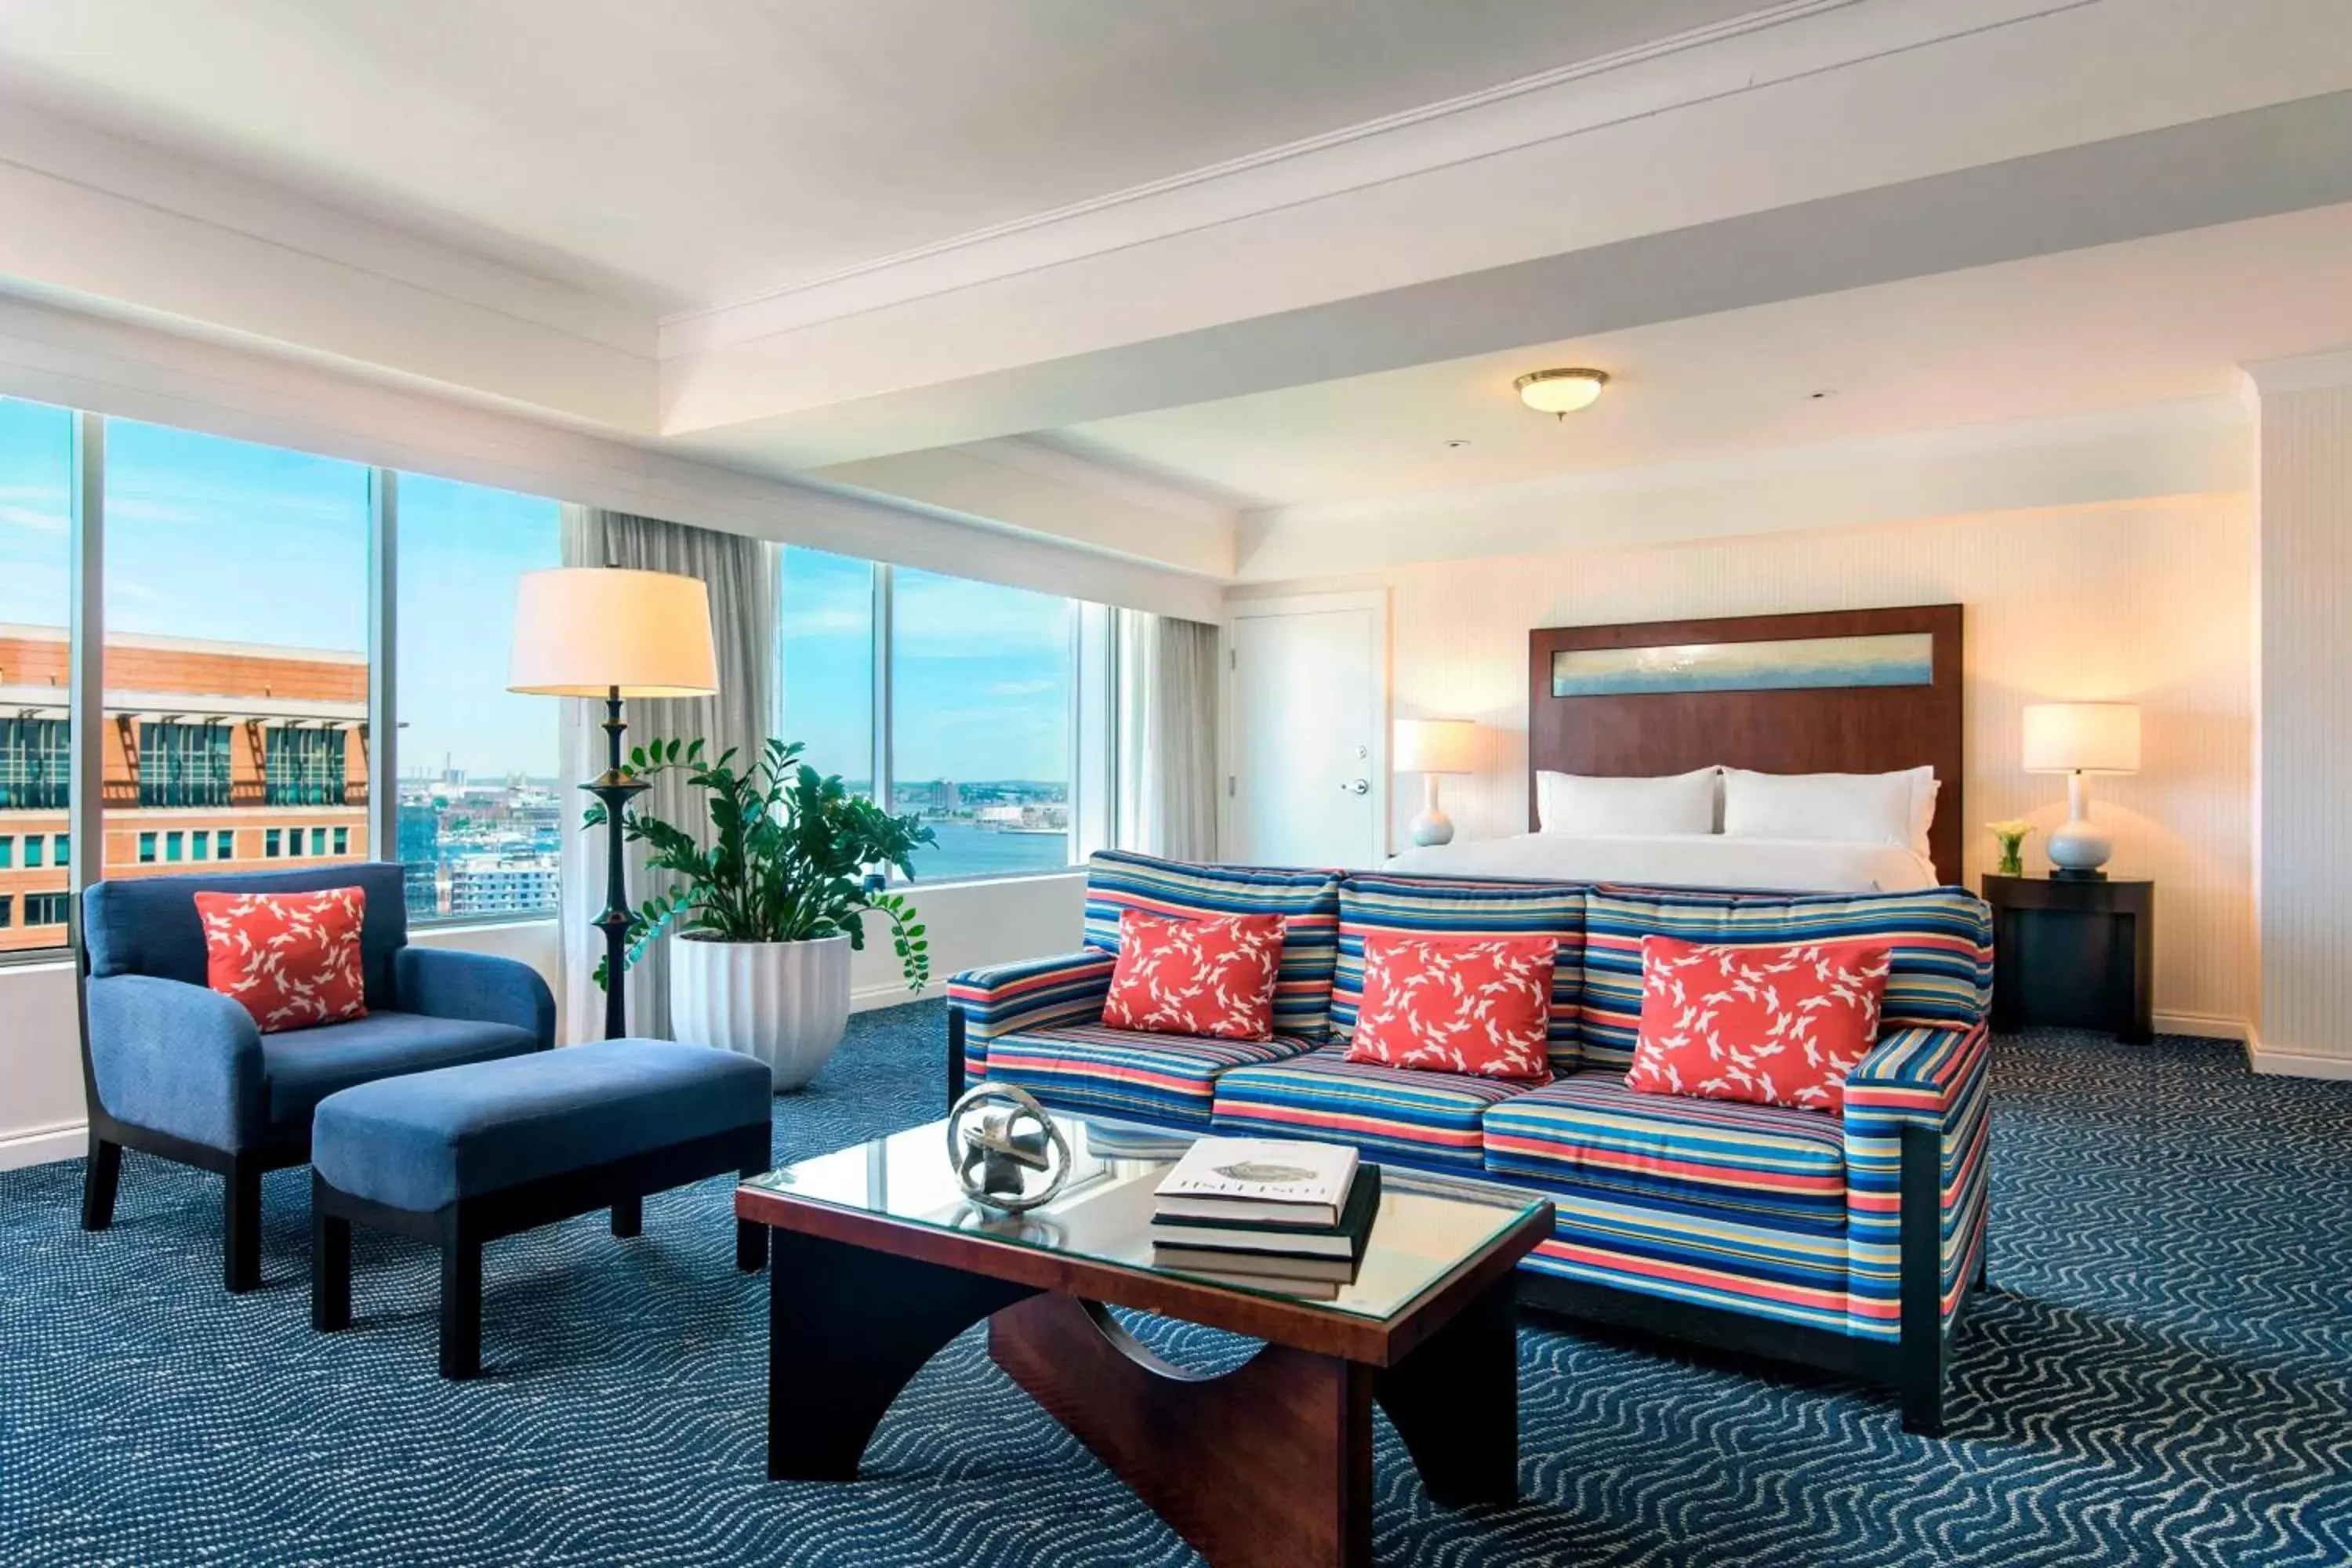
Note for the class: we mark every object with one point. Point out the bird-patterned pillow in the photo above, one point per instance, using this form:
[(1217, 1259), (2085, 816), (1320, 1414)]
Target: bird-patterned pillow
[(1775, 1026), (291, 960), (1213, 976), (1459, 1003)]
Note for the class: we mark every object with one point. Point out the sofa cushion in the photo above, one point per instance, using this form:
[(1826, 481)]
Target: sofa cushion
[(301, 1068), (1592, 1133), (1771, 1025), (1307, 902), (422, 1141), (1940, 941), (1213, 976), (291, 960), (1370, 904), (1430, 1117), (1456, 1004), (1784, 1273), (1168, 1077)]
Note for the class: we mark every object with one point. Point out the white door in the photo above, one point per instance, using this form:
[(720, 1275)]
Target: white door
[(1309, 776)]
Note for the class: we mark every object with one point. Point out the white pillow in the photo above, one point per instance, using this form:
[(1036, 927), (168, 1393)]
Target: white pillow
[(1593, 807), (1846, 808)]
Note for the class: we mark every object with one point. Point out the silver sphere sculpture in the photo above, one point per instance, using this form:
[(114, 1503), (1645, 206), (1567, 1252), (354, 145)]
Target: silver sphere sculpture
[(997, 1136)]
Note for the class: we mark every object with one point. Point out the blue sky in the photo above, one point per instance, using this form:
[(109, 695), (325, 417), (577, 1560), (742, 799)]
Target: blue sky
[(224, 540)]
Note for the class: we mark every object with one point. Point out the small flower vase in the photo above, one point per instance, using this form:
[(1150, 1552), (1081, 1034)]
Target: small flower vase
[(2011, 837)]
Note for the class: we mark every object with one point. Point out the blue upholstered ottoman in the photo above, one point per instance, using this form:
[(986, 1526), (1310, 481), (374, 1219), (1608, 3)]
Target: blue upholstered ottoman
[(463, 1155)]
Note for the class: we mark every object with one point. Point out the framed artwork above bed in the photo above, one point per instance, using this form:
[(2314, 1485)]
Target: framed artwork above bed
[(1837, 692)]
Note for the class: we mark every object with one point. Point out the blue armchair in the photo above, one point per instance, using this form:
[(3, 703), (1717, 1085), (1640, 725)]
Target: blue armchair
[(174, 1068)]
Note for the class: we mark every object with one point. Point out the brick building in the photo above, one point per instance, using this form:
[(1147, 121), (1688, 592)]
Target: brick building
[(212, 752)]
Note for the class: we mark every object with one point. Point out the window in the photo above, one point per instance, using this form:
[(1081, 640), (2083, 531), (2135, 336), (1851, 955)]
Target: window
[(293, 841), (477, 764), (183, 765), (171, 846), (35, 760), (826, 662), (7, 853), (65, 849), (318, 841), (200, 846), (981, 696), (146, 849), (37, 455), (223, 844), (342, 840), (7, 911), (45, 908), (269, 848), (302, 767), (33, 847), (237, 615)]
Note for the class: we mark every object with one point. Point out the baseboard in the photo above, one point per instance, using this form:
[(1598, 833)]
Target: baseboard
[(44, 1145), (2293, 1064), (2203, 1025), (873, 997)]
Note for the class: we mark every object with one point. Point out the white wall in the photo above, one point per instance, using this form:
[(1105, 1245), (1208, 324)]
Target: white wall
[(2142, 601), (41, 1111)]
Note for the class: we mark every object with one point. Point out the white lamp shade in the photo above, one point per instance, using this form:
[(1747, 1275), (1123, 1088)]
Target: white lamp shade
[(1435, 746), (580, 631), (2082, 738)]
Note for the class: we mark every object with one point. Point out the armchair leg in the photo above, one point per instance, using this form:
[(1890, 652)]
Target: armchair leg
[(241, 1225), (461, 1301), (955, 1054), (628, 1216), (330, 1266), (100, 1176)]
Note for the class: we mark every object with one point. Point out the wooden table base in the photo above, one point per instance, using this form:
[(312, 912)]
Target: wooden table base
[(1270, 1464)]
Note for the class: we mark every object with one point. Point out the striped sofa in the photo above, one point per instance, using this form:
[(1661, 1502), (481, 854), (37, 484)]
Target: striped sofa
[(1846, 1242)]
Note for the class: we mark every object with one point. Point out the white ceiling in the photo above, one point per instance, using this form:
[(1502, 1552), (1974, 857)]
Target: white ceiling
[(2109, 327), (691, 154)]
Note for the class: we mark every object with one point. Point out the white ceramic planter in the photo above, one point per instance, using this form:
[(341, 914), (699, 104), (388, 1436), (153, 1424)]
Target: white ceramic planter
[(785, 1003)]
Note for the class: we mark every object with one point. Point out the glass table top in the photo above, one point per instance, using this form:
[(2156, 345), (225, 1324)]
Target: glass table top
[(1426, 1228)]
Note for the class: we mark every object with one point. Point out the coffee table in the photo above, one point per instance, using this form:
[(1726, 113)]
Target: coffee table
[(878, 1260)]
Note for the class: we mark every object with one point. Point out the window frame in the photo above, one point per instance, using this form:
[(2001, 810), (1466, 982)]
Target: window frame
[(1092, 764)]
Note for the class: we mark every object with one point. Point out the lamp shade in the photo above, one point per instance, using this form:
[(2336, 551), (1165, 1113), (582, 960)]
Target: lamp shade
[(580, 631), (2082, 738), (1435, 746)]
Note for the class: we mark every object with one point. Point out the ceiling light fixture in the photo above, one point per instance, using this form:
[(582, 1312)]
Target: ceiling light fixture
[(1561, 392)]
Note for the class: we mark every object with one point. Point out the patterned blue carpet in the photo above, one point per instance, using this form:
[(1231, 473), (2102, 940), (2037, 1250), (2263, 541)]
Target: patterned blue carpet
[(2164, 1375)]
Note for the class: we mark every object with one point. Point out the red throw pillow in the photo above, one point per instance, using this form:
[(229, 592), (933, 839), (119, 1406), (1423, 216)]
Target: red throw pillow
[(1214, 976), (291, 960), (1466, 1005), (1775, 1026)]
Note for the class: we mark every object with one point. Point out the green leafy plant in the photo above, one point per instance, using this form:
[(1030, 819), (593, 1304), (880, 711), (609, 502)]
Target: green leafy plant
[(787, 857), (2011, 837)]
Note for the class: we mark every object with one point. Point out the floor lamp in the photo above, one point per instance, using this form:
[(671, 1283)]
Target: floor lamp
[(609, 632)]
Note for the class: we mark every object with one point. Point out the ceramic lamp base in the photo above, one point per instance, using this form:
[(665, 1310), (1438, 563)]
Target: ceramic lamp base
[(1432, 827), (2078, 850)]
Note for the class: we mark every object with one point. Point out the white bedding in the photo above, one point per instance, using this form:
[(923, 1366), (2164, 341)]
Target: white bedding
[(1682, 861)]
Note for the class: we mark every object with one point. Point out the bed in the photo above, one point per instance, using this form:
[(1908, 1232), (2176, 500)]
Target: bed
[(1865, 692)]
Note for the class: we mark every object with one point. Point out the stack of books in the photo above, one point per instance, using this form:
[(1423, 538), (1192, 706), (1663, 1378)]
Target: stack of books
[(1268, 1213)]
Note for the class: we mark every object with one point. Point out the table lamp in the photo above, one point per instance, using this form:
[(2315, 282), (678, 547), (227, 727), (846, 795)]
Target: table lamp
[(2078, 739), (610, 632), (1430, 747)]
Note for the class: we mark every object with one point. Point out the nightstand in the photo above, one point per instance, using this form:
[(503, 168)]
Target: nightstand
[(2078, 953)]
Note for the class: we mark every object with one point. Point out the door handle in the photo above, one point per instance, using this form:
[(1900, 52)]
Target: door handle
[(1356, 786)]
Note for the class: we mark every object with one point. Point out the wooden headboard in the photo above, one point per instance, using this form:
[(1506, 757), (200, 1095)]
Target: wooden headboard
[(1670, 713)]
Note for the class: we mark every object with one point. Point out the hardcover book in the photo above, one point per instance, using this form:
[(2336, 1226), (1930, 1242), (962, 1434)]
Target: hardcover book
[(1279, 1180), (1344, 1240)]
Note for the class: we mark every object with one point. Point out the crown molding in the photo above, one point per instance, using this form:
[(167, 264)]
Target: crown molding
[(2302, 372), (1774, 43)]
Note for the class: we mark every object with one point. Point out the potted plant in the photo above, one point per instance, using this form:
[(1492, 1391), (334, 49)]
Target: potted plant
[(769, 912)]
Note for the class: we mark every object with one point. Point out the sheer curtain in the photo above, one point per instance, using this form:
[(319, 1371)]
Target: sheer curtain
[(741, 574), (1168, 736)]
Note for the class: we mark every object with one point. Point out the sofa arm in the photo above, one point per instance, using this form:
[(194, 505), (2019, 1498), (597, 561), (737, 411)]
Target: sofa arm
[(1927, 1089), (177, 1057), (1035, 994), (443, 984)]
